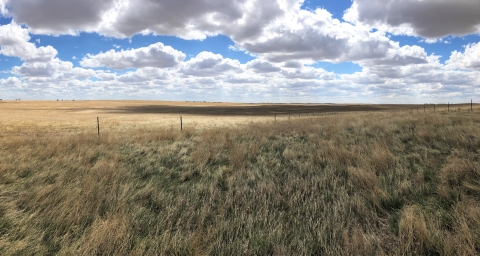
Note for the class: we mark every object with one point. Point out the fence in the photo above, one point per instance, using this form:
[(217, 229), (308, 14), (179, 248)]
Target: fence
[(113, 125)]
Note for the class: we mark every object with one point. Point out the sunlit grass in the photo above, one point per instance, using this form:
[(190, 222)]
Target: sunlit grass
[(347, 184)]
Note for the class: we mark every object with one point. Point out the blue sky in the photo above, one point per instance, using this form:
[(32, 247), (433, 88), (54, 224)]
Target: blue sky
[(368, 51)]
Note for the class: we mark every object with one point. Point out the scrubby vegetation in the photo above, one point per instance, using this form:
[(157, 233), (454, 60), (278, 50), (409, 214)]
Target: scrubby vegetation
[(348, 184)]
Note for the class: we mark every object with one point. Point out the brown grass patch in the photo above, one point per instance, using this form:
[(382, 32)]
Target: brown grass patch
[(368, 183)]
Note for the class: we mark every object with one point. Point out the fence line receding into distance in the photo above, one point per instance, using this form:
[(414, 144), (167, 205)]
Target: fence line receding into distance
[(277, 117)]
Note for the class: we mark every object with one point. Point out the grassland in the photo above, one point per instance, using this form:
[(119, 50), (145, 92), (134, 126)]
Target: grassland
[(363, 183), (60, 117)]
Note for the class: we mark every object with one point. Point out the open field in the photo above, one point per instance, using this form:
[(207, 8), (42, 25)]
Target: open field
[(357, 183), (118, 116)]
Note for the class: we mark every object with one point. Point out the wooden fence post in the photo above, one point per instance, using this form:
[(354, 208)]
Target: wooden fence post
[(98, 126), (471, 105), (181, 123), (433, 107), (275, 118), (448, 107)]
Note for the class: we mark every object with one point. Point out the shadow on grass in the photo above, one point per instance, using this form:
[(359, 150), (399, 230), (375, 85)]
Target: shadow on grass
[(254, 110)]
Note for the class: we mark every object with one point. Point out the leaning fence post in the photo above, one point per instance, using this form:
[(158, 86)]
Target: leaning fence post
[(98, 126)]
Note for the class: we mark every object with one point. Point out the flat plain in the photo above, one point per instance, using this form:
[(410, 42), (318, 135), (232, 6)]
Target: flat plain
[(344, 180), (80, 116)]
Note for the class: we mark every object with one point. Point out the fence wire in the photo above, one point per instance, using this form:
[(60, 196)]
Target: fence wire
[(120, 125)]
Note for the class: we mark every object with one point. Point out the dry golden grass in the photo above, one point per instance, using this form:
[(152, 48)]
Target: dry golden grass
[(117, 116), (373, 183)]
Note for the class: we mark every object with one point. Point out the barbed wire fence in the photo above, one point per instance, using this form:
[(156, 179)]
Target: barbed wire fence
[(99, 125)]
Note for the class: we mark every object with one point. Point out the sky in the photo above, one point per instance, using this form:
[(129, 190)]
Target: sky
[(292, 51)]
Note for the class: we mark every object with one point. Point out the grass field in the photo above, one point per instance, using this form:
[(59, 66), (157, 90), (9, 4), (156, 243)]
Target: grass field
[(118, 116), (362, 182)]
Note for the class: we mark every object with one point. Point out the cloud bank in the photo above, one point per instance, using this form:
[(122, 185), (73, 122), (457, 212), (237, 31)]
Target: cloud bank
[(428, 18), (156, 55), (285, 39)]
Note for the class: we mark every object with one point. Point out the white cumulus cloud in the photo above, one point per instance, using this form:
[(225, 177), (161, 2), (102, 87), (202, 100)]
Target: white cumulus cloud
[(59, 16), (54, 70), (209, 64), (284, 39), (260, 66), (467, 60), (188, 19), (427, 18), (14, 42), (156, 55), (317, 36)]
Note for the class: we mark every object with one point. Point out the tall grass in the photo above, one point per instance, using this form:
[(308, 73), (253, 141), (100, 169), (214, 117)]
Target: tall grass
[(363, 184)]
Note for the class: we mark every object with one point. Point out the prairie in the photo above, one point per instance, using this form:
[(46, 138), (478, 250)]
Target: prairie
[(116, 116), (369, 180)]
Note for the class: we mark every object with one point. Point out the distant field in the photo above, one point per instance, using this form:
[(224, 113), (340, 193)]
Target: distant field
[(371, 180), (80, 116)]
